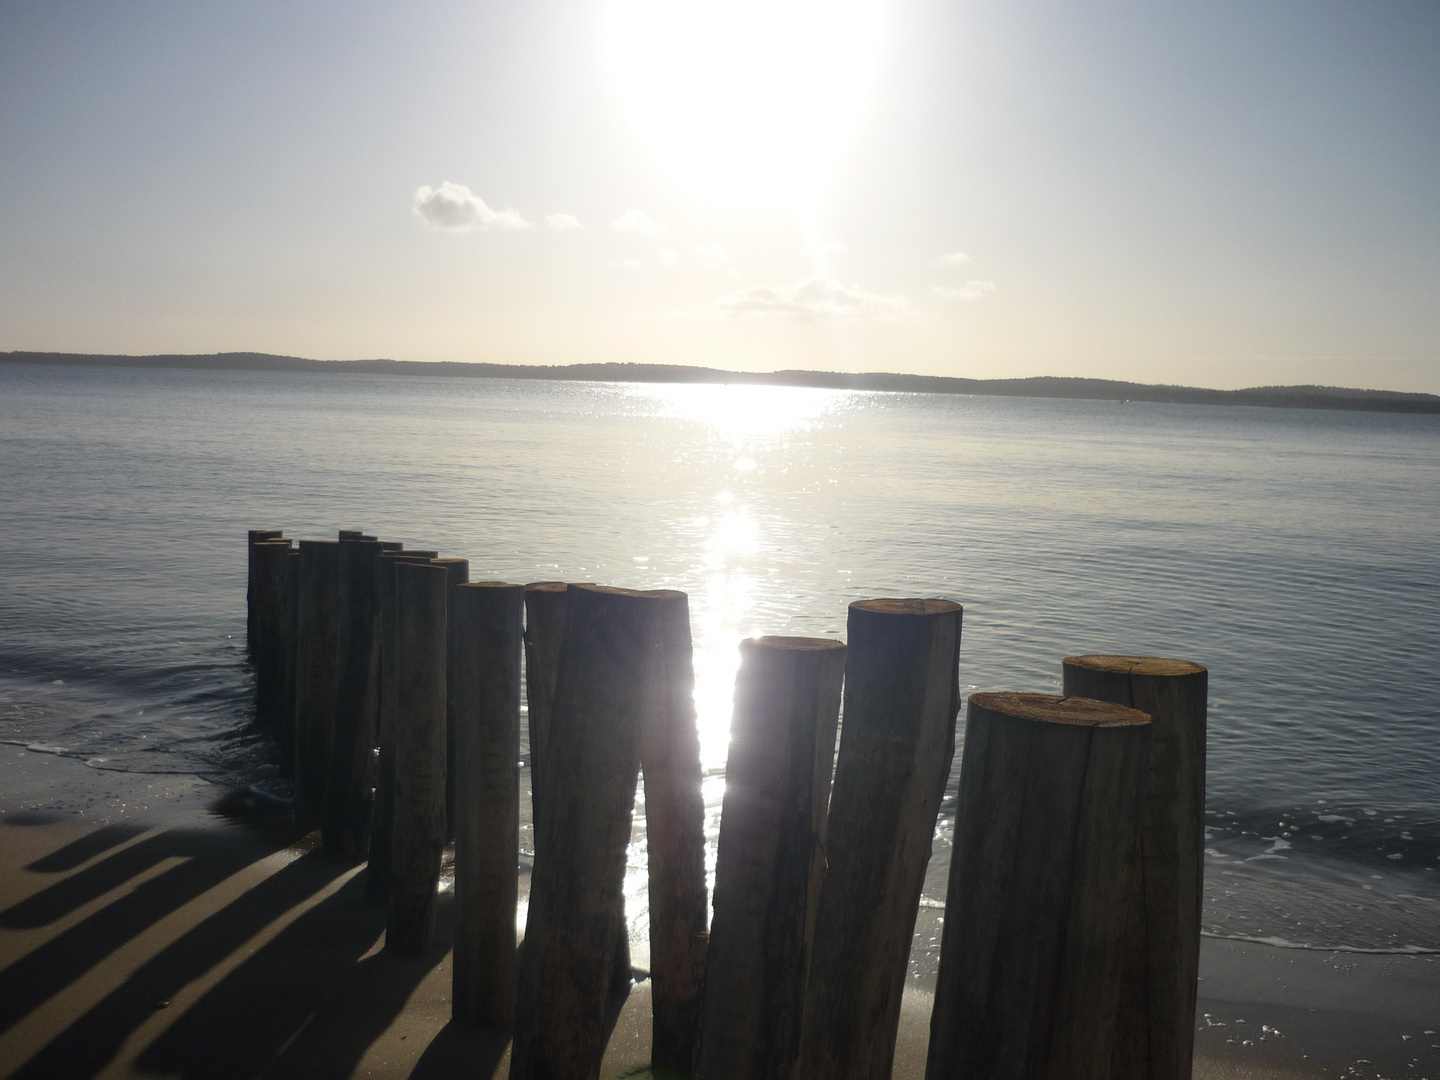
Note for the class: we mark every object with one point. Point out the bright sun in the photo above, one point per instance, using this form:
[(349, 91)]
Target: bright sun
[(743, 98)]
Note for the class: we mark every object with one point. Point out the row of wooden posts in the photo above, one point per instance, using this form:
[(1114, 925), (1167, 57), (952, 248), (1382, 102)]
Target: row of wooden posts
[(1071, 931)]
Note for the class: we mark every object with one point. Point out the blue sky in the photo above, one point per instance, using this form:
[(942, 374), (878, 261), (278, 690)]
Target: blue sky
[(1221, 194)]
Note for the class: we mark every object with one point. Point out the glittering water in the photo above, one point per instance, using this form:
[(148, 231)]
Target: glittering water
[(1296, 554)]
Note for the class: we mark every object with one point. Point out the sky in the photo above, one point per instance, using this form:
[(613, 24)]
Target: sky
[(1233, 193)]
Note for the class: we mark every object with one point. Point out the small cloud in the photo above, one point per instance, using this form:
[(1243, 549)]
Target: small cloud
[(563, 222), (955, 258), (633, 221), (813, 298), (667, 257), (826, 247), (711, 253), (971, 290), (624, 264), (455, 208)]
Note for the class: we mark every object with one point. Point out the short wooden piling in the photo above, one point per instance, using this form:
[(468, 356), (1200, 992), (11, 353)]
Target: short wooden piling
[(459, 574), (897, 739), (253, 537), (1041, 878), (1155, 1040), (270, 565), (379, 871), (544, 630), (485, 631), (675, 845), (418, 840), (317, 675), (770, 862), (346, 825), (602, 696)]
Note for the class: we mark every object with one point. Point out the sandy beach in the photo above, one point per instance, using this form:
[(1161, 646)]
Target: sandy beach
[(144, 934)]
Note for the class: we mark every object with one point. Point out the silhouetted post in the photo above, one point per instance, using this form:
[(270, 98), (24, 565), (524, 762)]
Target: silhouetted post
[(1155, 1040), (290, 624), (544, 630), (316, 676), (1041, 879), (896, 744), (675, 843), (459, 571), (419, 829), (269, 564), (382, 819), (346, 826), (253, 537), (485, 634), (770, 862), (607, 677)]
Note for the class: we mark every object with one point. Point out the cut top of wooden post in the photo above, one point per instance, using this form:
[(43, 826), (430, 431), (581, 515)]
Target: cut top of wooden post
[(1134, 665), (1052, 709), (908, 606)]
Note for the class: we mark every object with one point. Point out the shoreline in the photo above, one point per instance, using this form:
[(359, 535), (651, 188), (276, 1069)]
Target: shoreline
[(142, 933)]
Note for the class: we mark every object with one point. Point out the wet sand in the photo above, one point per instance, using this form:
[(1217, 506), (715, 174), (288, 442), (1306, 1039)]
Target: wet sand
[(144, 935)]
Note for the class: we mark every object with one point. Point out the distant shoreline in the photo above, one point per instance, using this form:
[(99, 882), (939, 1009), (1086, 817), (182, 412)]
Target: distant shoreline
[(1282, 397)]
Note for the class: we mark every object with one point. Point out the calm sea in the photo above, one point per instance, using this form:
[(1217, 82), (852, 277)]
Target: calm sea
[(1296, 554)]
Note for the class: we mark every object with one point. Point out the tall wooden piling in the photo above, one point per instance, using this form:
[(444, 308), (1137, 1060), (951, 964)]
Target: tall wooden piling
[(1155, 1040), (770, 862), (459, 573), (253, 537), (317, 674), (346, 825), (484, 677), (382, 819), (602, 696), (544, 630), (269, 567), (1041, 878), (897, 740), (418, 838), (290, 625)]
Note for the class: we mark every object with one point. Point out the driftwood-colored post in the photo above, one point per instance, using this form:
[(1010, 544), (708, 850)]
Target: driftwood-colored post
[(897, 740), (422, 593), (485, 631), (675, 844), (346, 826), (770, 862), (316, 676), (382, 818), (604, 691), (459, 571), (1041, 878), (269, 566), (253, 537), (1155, 1040), (544, 630)]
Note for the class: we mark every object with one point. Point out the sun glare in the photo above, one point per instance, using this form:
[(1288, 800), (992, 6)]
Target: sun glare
[(745, 99)]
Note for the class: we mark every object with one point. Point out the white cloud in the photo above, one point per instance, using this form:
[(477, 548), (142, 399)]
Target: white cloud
[(813, 298), (711, 253), (667, 257), (633, 221), (971, 290), (826, 247), (455, 208), (563, 222), (955, 258), (624, 264)]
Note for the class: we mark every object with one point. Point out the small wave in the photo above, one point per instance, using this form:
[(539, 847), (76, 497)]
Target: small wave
[(1284, 943), (43, 748)]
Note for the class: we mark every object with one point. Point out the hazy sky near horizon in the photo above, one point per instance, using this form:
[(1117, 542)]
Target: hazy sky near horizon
[(1232, 193)]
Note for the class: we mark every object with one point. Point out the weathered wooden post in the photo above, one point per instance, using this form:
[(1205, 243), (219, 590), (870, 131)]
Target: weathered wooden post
[(382, 819), (290, 623), (421, 592), (346, 826), (1155, 1040), (269, 566), (316, 675), (459, 571), (253, 537), (1041, 879), (544, 630), (770, 862), (485, 633), (612, 647), (675, 844), (897, 740)]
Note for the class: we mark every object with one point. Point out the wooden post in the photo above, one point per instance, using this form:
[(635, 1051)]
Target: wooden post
[(675, 843), (253, 537), (316, 675), (544, 630), (485, 631), (770, 862), (346, 827), (612, 640), (1156, 1036), (269, 565), (897, 739), (1041, 875), (459, 572), (382, 819), (285, 730), (419, 829)]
